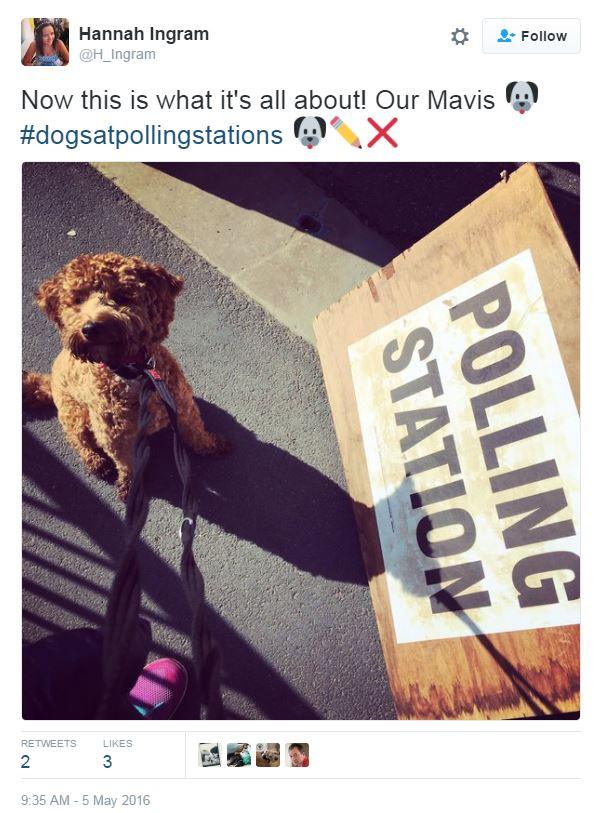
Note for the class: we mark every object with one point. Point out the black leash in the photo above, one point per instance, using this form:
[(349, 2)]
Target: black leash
[(123, 610)]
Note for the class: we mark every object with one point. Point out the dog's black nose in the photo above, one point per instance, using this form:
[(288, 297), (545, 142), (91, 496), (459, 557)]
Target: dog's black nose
[(90, 330), (522, 104)]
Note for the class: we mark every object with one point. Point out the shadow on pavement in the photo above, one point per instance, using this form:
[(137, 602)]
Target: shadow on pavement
[(244, 670), (267, 496), (402, 202), (405, 202), (263, 494), (268, 189)]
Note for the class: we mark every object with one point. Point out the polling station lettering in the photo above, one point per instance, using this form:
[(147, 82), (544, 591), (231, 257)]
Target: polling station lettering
[(523, 521)]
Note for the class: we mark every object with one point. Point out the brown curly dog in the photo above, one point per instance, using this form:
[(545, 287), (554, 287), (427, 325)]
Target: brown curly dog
[(111, 311)]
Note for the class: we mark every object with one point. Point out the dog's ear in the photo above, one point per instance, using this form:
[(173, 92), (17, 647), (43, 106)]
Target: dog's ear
[(509, 90), (322, 125), (163, 287), (175, 283), (534, 89), (297, 126), (48, 298), (161, 279)]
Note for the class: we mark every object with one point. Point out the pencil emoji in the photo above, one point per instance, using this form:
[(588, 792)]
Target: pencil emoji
[(345, 131)]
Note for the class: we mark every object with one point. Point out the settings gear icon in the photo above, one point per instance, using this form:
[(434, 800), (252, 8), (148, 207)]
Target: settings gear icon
[(460, 36)]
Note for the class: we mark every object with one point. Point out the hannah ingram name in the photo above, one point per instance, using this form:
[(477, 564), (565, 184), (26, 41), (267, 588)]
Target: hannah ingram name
[(168, 35)]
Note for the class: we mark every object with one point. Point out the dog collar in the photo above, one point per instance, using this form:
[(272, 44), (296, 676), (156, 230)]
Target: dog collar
[(131, 370)]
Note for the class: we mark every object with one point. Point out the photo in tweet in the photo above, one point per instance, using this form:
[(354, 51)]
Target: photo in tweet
[(290, 453)]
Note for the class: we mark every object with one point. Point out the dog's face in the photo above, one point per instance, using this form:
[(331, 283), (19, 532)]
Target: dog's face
[(522, 95), (109, 308), (310, 130)]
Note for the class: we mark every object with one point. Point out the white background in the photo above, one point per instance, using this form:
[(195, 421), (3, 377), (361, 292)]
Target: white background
[(334, 46)]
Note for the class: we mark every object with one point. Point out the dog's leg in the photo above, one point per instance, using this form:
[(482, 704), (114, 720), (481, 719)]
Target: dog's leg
[(193, 430), (115, 433), (74, 419), (190, 423)]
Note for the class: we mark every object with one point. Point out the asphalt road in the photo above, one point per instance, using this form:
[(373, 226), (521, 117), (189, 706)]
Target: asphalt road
[(277, 544)]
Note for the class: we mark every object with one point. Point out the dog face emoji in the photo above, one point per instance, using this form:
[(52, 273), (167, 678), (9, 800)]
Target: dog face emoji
[(309, 130), (521, 95)]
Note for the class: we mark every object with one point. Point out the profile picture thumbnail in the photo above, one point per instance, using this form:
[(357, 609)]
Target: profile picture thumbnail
[(267, 755), (238, 754), (44, 42), (208, 755), (297, 754)]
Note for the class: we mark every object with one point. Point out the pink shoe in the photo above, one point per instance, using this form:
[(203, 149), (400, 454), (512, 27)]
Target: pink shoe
[(159, 689)]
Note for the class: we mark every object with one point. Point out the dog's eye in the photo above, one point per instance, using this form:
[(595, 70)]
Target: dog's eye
[(77, 297), (517, 95), (525, 96), (120, 298)]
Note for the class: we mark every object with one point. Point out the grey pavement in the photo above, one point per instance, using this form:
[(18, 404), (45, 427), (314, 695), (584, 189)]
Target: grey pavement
[(277, 544)]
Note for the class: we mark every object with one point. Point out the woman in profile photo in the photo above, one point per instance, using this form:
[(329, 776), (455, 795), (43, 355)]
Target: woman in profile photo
[(47, 50)]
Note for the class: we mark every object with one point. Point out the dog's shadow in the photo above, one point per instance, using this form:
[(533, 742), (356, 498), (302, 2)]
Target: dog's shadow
[(266, 495)]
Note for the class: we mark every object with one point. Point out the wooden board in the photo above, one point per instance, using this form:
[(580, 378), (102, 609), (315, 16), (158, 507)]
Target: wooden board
[(513, 674)]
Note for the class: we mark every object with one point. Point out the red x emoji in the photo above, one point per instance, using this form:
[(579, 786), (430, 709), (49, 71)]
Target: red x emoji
[(383, 131)]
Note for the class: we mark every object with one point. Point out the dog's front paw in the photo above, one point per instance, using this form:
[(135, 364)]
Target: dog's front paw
[(100, 465)]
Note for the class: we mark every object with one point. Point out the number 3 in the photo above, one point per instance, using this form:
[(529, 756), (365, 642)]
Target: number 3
[(108, 762)]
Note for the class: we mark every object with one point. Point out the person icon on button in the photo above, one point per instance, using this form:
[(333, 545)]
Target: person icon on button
[(505, 36)]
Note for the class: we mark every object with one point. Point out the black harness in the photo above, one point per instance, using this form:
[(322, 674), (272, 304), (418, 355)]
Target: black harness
[(123, 610)]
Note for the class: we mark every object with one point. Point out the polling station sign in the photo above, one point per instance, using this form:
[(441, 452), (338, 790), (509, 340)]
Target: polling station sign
[(471, 438)]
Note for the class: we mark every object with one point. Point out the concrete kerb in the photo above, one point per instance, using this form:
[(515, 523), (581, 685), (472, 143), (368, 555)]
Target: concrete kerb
[(291, 273)]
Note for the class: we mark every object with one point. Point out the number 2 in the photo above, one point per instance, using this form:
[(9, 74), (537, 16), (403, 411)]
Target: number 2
[(25, 761)]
